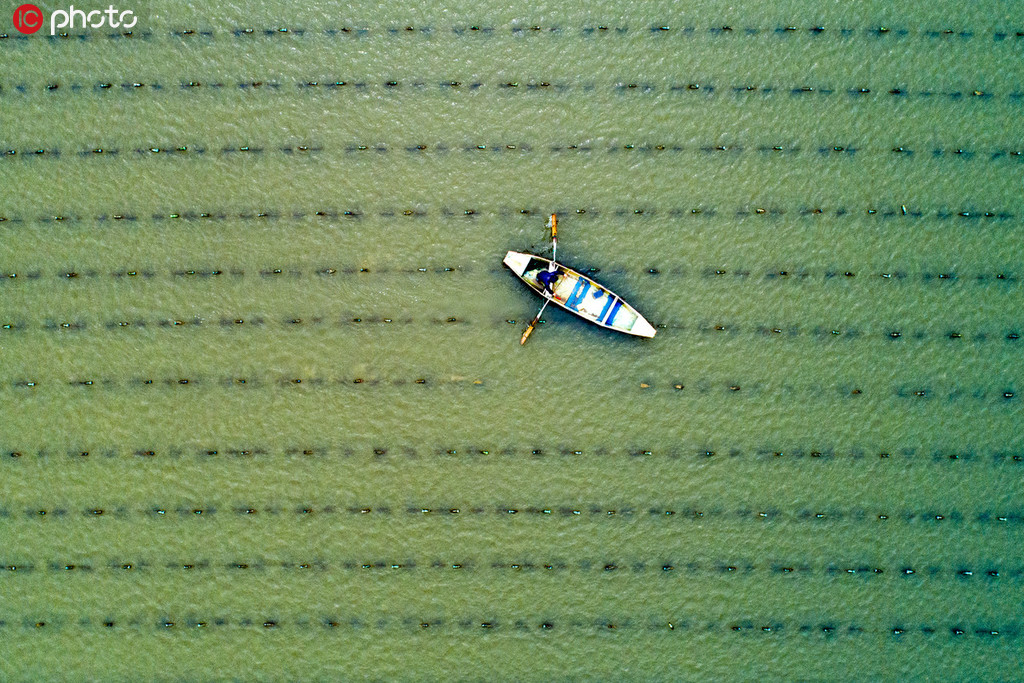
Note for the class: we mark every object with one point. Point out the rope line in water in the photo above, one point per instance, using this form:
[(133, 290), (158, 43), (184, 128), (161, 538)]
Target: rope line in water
[(958, 631), (964, 573), (821, 33), (879, 94), (938, 517), (758, 276), (876, 211), (921, 392), (721, 331), (664, 150), (245, 382), (1003, 456)]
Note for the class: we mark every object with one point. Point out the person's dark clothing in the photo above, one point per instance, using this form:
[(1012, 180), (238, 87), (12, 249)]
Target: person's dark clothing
[(547, 280)]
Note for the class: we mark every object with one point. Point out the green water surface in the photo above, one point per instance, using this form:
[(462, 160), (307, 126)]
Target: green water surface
[(263, 410)]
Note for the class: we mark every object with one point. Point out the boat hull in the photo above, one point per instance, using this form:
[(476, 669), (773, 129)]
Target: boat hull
[(580, 295)]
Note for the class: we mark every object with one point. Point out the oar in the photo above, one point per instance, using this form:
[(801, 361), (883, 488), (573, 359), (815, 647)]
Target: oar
[(553, 224), (529, 330)]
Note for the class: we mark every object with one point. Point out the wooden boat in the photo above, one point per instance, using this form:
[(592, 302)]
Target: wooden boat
[(577, 293)]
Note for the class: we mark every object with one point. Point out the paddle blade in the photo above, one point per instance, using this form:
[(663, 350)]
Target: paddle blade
[(553, 224), (527, 333)]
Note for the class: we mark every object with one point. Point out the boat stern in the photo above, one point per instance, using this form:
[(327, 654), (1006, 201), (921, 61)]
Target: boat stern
[(517, 262)]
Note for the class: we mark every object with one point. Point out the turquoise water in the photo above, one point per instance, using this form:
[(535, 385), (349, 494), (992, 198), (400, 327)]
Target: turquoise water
[(264, 411)]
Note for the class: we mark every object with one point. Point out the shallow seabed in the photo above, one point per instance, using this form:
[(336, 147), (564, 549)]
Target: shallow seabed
[(263, 410)]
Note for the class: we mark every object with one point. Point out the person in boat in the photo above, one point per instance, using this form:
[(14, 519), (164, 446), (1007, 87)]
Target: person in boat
[(547, 280)]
